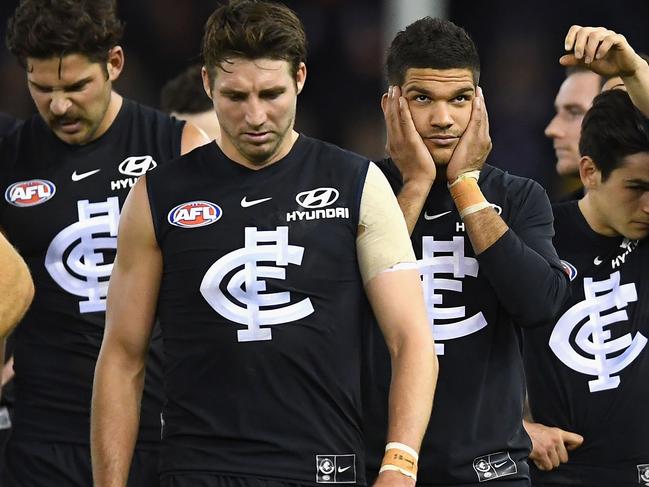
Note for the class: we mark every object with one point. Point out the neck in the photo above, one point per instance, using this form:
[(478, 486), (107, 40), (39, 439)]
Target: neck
[(588, 207), (114, 106), (233, 153)]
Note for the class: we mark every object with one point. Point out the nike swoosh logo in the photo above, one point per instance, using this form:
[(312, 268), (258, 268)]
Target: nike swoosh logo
[(246, 204), (83, 175), (597, 260), (434, 217), (498, 465), (343, 469)]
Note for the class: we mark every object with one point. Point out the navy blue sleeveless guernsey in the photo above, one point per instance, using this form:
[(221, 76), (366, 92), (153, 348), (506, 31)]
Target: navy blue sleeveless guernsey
[(261, 305), (60, 207)]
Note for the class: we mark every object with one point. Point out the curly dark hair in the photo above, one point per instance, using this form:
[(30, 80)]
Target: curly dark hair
[(431, 43), (54, 28), (253, 29)]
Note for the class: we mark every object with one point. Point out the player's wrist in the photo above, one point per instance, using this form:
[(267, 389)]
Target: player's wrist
[(467, 195), (641, 67), (400, 458)]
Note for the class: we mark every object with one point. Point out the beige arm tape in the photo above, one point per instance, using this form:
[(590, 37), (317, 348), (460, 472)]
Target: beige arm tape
[(383, 242)]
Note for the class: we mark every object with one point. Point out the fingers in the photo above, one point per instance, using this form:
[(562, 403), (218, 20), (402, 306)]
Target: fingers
[(569, 41), (591, 43), (391, 113), (484, 115), (572, 440), (610, 41)]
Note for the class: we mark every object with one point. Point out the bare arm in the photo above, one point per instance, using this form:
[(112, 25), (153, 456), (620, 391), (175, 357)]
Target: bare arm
[(16, 287), (119, 374), (192, 138), (397, 299), (609, 54), (398, 303)]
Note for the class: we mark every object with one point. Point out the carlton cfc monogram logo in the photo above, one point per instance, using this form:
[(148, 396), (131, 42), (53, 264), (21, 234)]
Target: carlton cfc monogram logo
[(75, 258), (247, 292), (599, 353), (446, 258)]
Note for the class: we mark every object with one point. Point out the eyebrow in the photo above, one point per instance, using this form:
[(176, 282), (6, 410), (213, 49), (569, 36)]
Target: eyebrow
[(76, 84), (266, 91), (460, 91), (640, 182), (573, 106)]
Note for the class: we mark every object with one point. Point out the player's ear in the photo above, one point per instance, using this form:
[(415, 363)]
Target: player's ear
[(589, 173), (115, 62), (207, 82), (300, 77)]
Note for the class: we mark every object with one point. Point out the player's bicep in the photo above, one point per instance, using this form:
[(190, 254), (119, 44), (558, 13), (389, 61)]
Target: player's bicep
[(135, 280), (383, 241)]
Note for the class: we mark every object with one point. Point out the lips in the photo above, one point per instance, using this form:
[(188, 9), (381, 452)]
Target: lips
[(257, 137), (69, 126), (443, 140)]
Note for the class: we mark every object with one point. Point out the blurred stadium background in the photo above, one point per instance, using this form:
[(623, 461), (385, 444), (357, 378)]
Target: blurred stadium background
[(519, 44)]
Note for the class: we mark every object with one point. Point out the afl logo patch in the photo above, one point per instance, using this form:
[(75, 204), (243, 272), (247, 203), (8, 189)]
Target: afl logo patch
[(194, 214), (569, 269), (30, 193)]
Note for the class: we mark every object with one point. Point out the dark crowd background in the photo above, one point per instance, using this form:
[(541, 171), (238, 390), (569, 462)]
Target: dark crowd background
[(519, 43)]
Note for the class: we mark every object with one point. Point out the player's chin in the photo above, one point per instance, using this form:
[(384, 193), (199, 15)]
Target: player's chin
[(567, 167), (441, 156), (637, 231)]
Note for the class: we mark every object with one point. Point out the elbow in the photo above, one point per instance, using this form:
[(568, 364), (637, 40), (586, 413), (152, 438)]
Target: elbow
[(550, 299)]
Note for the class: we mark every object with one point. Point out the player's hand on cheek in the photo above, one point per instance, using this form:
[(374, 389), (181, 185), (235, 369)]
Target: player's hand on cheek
[(404, 144), (475, 145)]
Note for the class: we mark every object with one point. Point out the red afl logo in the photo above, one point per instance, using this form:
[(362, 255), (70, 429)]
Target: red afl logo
[(30, 193), (194, 214)]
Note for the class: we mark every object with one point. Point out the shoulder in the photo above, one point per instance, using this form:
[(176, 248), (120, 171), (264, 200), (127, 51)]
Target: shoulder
[(8, 124), (139, 112), (181, 166), (30, 134), (494, 178), (331, 153), (391, 173), (566, 214)]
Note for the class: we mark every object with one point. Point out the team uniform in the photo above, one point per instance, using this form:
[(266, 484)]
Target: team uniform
[(587, 371), (261, 306), (60, 207), (476, 306)]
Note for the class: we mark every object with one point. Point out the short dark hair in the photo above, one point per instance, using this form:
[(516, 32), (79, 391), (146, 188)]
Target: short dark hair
[(185, 94), (431, 43), (612, 129), (54, 28), (253, 29)]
